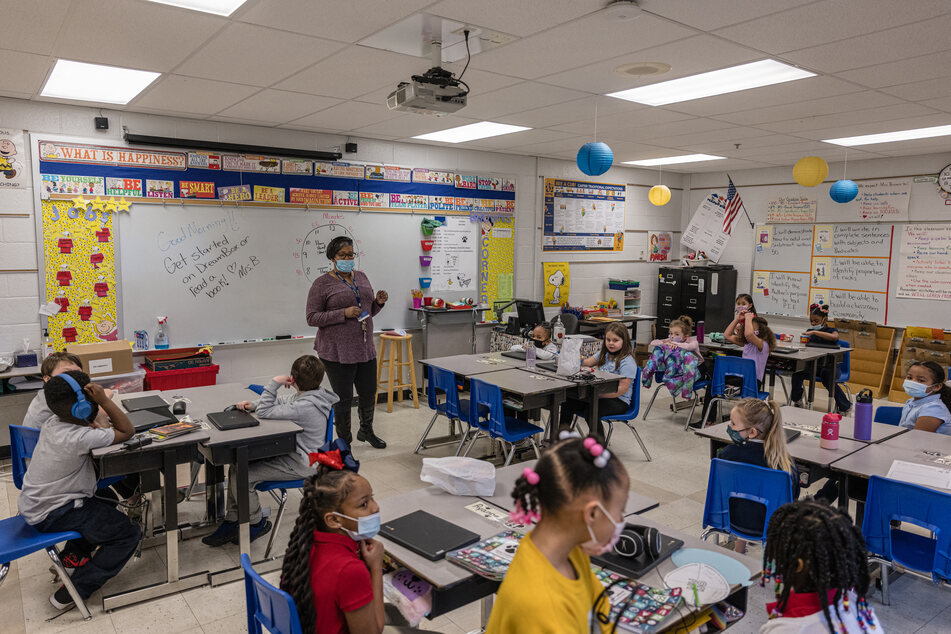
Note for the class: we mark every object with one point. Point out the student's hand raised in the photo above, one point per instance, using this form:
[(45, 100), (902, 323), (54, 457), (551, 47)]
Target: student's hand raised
[(95, 393), (352, 312), (372, 553)]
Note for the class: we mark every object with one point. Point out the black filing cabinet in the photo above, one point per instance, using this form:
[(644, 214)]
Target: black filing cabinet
[(703, 293)]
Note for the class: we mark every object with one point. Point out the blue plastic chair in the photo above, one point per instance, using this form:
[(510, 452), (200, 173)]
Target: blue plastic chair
[(268, 607), (890, 501), (278, 490), (256, 387), (22, 443), (845, 369), (487, 415), (628, 417), (888, 414), (737, 480), (19, 539), (724, 366), (454, 409)]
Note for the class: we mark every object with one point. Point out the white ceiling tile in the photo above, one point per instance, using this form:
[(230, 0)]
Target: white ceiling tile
[(26, 26), (912, 69), (578, 43), (724, 132), (409, 125), (857, 129), (921, 90), (22, 72), (132, 34), (779, 94), (878, 116), (623, 122), (347, 116), (938, 145), (524, 96), (655, 133), (354, 71), (516, 139), (942, 103), (517, 18), (828, 21), (685, 57), (921, 38), (267, 55), (570, 111), (567, 144), (747, 145), (346, 21), (278, 106), (713, 14), (174, 93), (803, 109)]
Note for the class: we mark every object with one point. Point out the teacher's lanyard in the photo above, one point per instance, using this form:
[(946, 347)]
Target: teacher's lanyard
[(356, 293)]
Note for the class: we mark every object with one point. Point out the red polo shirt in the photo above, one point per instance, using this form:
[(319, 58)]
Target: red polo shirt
[(339, 579)]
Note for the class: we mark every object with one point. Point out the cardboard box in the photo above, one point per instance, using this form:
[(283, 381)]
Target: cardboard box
[(866, 336), (102, 359)]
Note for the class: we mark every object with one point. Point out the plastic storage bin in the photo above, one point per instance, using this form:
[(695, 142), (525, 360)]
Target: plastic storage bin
[(425, 282), (178, 379), (123, 383), (425, 260), (427, 244)]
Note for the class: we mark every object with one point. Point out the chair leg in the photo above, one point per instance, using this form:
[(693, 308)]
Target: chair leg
[(472, 442), (884, 569), (693, 408), (391, 372), (708, 532), (465, 436), (607, 437), (511, 455), (706, 411), (534, 446), (277, 521), (196, 469), (782, 382), (422, 438), (651, 403), (399, 371), (70, 588), (640, 442), (4, 569)]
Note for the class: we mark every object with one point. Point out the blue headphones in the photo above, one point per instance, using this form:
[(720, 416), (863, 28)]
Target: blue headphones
[(82, 408)]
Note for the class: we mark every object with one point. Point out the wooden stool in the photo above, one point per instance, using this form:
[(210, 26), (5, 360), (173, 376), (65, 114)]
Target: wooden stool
[(391, 355)]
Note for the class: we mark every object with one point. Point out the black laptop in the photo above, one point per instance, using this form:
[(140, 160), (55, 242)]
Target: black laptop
[(791, 434), (830, 345), (232, 419), (551, 366), (146, 419), (427, 535), (514, 354), (144, 402)]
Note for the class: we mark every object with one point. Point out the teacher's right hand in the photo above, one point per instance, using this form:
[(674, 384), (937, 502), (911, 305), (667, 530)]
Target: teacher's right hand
[(352, 312)]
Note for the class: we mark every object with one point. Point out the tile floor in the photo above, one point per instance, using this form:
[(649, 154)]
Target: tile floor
[(676, 477)]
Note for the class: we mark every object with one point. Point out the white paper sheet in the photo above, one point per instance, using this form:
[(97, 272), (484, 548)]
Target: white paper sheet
[(925, 475)]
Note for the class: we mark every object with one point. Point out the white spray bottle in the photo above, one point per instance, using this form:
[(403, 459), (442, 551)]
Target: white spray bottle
[(161, 339)]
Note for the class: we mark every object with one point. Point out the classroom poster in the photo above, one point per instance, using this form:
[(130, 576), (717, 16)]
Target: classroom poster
[(791, 209), (79, 257), (455, 255), (659, 244), (72, 185), (557, 278), (583, 216), (496, 260), (924, 270), (12, 148), (705, 231), (878, 201)]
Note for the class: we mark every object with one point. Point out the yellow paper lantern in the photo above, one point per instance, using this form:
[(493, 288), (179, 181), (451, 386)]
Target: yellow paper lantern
[(809, 171), (659, 195)]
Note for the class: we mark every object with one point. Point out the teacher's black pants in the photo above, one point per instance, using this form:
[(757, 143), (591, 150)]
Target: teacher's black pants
[(343, 378)]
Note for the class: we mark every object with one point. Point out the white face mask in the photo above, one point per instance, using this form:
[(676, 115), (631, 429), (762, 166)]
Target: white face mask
[(367, 526), (592, 547)]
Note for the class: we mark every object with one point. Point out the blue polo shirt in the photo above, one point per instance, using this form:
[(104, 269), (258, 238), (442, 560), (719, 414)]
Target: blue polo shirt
[(626, 367), (931, 405)]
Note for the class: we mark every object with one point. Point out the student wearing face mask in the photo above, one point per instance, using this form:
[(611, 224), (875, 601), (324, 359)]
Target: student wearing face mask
[(545, 348), (929, 408), (677, 358), (576, 493)]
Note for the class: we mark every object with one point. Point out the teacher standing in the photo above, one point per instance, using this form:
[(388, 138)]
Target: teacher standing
[(341, 304)]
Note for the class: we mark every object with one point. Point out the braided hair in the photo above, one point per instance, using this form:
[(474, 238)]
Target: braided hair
[(832, 551), (323, 493), (565, 471)]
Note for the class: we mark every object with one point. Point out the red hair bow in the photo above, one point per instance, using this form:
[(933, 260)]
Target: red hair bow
[(332, 459)]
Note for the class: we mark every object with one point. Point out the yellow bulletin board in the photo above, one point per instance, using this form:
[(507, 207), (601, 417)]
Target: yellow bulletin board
[(497, 260)]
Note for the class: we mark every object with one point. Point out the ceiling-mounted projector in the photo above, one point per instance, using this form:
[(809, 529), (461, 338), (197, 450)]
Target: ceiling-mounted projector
[(435, 92)]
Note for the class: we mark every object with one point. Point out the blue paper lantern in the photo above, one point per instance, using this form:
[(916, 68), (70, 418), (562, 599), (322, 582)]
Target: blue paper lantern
[(843, 191), (595, 158)]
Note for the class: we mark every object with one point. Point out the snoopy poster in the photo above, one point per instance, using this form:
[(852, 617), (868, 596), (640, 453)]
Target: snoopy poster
[(557, 283), (11, 159)]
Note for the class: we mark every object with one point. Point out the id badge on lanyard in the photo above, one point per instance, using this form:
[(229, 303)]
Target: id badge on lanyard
[(363, 313)]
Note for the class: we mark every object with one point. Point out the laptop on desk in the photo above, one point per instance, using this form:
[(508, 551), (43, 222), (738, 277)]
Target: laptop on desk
[(830, 346), (427, 535), (514, 354), (232, 419), (146, 419), (144, 402)]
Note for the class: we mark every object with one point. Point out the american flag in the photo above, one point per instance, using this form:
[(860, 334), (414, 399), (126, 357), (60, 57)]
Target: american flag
[(733, 205)]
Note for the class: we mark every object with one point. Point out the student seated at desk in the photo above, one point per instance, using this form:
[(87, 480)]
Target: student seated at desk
[(821, 332), (756, 429), (744, 304), (60, 484), (309, 407), (577, 494), (677, 358), (541, 338), (929, 408), (616, 357), (817, 560)]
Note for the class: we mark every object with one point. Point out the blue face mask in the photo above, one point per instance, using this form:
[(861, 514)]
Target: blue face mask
[(345, 266), (915, 389), (735, 436), (367, 526)]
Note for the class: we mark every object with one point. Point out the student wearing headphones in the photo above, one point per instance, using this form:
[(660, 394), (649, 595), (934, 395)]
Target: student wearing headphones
[(60, 483)]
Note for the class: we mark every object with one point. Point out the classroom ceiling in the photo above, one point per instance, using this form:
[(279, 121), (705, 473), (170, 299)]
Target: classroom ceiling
[(882, 65)]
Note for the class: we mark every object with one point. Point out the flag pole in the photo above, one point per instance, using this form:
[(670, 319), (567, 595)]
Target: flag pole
[(742, 204)]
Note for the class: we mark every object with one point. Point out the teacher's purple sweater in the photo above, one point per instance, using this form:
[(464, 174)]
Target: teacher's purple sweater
[(338, 338)]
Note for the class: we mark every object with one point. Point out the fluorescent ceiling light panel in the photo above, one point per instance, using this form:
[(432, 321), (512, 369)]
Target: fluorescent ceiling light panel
[(718, 82), (673, 160), (889, 137), (471, 132), (217, 7), (93, 82)]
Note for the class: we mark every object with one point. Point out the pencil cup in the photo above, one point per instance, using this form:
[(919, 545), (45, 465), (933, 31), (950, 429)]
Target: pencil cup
[(417, 302)]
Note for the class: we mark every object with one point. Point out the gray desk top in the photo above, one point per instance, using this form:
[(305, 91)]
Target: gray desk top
[(626, 319), (451, 508), (804, 354), (472, 364), (12, 372), (524, 383), (918, 440), (505, 478), (804, 449), (599, 376), (186, 439), (877, 459), (880, 431)]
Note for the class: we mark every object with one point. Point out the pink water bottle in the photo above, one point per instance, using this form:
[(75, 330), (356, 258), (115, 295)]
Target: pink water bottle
[(699, 332), (830, 431)]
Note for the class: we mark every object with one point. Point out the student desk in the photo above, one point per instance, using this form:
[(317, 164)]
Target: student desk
[(505, 478), (449, 325), (535, 390), (804, 450), (805, 359), (801, 419), (584, 389), (588, 326)]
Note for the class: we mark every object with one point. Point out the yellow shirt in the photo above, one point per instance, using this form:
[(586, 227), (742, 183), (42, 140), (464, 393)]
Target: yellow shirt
[(535, 598)]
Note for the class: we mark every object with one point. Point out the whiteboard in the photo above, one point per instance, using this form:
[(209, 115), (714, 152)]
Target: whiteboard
[(225, 274)]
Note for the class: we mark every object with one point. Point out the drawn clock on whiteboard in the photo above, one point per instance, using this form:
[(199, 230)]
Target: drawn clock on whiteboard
[(311, 256), (944, 179)]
